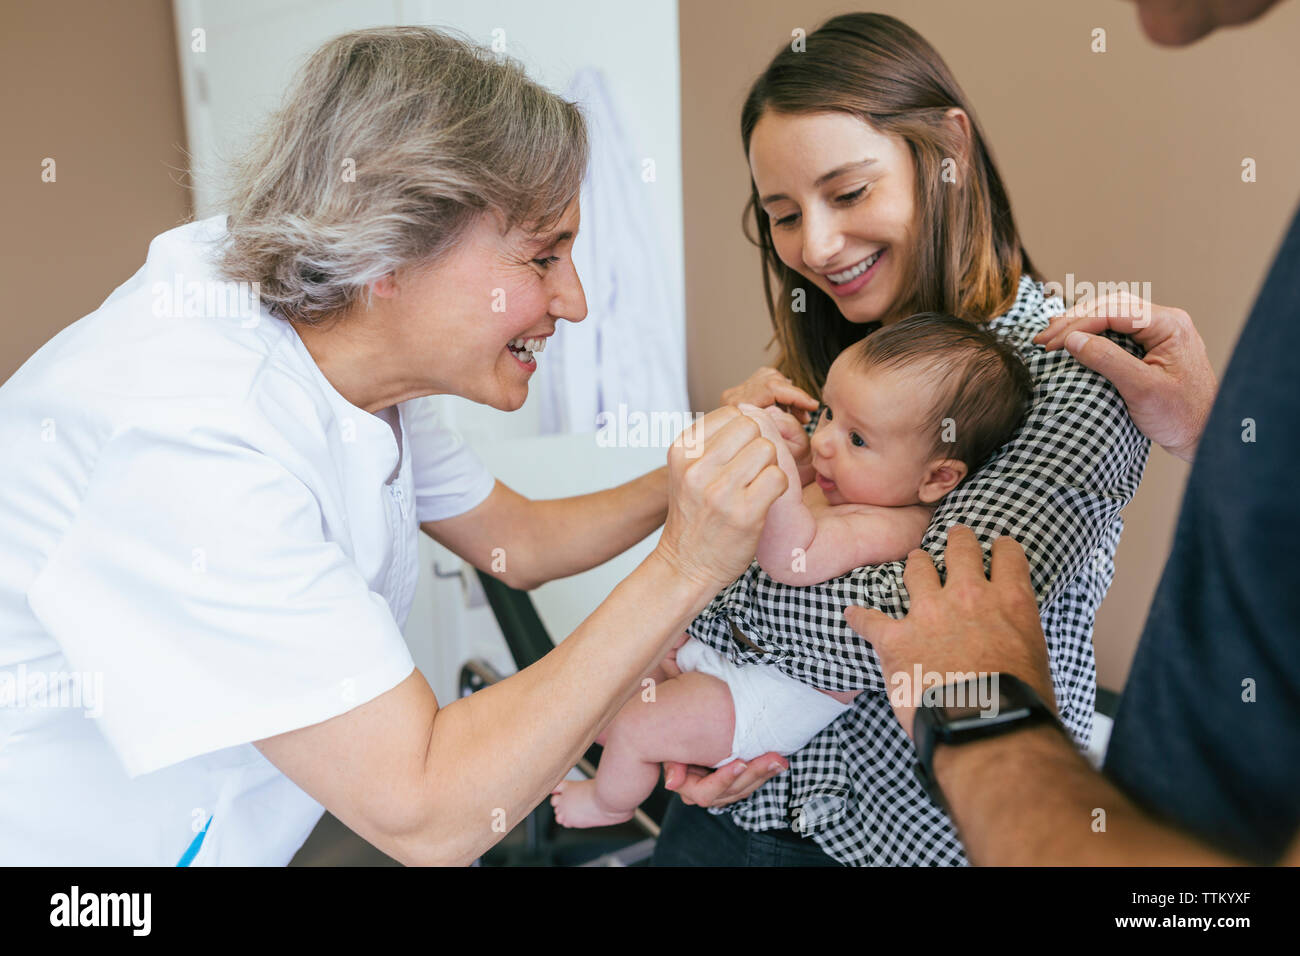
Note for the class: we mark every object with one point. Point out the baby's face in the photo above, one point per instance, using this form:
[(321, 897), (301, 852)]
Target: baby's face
[(871, 446)]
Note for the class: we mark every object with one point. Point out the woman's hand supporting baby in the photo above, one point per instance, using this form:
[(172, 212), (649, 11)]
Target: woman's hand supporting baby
[(769, 389)]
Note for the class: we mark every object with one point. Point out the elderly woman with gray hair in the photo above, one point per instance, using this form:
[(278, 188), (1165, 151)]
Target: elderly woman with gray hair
[(211, 513)]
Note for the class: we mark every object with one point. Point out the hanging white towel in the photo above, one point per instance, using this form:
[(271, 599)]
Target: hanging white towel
[(631, 348)]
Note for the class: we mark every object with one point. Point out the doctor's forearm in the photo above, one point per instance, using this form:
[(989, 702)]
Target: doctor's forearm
[(571, 535), (495, 755)]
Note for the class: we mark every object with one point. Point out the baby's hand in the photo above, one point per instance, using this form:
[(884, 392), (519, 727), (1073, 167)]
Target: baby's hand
[(784, 431), (770, 421), (753, 411), (796, 439)]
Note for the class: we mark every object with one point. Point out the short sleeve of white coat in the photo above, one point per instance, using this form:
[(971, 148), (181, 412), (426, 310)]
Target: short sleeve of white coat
[(449, 478), (197, 579)]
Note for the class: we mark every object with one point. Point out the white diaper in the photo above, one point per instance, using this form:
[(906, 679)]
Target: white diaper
[(774, 712)]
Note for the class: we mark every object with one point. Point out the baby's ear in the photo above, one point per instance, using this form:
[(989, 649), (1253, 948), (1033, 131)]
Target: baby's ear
[(941, 477)]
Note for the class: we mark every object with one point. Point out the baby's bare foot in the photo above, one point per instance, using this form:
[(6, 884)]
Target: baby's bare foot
[(576, 805)]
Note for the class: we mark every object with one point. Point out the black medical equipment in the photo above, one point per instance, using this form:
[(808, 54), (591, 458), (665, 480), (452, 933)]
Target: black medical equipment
[(544, 842)]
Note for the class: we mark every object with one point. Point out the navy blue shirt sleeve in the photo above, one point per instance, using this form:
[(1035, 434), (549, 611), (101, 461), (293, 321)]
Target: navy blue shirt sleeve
[(1208, 730)]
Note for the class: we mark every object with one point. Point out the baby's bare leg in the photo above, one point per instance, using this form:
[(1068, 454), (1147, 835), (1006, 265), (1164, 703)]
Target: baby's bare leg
[(664, 670), (843, 696), (691, 720)]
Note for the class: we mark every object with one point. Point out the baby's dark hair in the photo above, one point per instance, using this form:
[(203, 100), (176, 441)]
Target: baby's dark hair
[(982, 388)]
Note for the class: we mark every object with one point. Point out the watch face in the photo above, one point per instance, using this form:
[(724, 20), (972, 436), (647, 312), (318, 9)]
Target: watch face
[(980, 709), (966, 718)]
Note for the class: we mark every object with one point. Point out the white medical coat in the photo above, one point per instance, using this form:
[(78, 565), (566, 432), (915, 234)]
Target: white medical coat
[(204, 545)]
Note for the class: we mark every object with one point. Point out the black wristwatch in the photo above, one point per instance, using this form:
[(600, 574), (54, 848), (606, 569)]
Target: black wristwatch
[(986, 706)]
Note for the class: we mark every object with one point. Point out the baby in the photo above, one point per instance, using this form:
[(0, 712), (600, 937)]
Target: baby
[(908, 413)]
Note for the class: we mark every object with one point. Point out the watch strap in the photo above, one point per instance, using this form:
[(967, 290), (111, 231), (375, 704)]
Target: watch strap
[(929, 730)]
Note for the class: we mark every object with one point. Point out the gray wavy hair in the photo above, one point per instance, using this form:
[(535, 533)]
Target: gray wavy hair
[(389, 146)]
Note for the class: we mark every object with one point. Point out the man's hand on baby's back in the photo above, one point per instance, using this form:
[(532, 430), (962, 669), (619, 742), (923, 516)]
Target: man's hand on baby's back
[(969, 622)]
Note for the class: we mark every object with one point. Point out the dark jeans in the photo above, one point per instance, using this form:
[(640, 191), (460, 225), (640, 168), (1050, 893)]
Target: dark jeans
[(692, 836)]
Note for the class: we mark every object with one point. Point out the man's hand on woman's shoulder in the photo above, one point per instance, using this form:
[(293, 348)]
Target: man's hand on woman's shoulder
[(1170, 390)]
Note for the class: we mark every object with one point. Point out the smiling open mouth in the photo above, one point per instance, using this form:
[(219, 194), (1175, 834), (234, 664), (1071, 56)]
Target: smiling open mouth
[(525, 350), (848, 275)]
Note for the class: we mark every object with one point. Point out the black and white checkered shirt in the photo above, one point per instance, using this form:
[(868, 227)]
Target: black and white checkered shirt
[(1057, 488)]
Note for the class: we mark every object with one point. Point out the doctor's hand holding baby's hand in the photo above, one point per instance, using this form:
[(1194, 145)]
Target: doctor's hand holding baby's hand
[(1168, 391), (723, 477), (782, 428), (767, 387), (968, 623)]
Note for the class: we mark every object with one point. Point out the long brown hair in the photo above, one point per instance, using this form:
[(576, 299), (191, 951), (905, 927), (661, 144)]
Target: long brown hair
[(967, 257)]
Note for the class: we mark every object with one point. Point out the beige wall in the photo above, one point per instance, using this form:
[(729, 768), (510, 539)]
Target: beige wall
[(93, 86), (1122, 166)]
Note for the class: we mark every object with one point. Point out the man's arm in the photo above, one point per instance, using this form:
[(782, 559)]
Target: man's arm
[(1027, 797), (540, 541)]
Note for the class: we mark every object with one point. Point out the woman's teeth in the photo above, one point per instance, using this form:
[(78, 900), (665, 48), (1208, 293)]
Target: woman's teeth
[(839, 278), (524, 348)]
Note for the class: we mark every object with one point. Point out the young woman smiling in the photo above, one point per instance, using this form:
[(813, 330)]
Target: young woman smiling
[(874, 196)]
